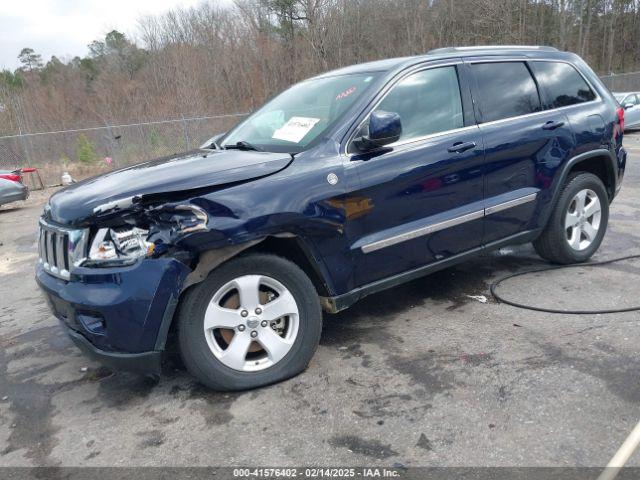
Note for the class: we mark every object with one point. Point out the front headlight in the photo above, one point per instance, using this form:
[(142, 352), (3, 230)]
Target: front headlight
[(119, 245), (124, 245)]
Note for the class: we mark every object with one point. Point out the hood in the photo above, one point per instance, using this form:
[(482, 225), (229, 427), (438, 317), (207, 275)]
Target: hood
[(190, 171)]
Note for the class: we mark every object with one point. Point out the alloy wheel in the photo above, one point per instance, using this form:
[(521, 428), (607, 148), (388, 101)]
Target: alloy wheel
[(251, 323), (582, 220)]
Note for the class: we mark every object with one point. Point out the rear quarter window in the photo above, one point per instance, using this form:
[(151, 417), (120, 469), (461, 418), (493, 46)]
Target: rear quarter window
[(562, 85), (505, 89)]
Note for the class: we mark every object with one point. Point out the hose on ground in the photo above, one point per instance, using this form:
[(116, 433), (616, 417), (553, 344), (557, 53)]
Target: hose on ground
[(499, 298)]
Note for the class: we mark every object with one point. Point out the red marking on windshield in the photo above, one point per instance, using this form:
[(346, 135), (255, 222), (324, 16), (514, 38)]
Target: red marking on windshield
[(346, 93)]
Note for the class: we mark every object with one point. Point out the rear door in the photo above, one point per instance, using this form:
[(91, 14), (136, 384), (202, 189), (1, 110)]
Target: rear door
[(524, 144)]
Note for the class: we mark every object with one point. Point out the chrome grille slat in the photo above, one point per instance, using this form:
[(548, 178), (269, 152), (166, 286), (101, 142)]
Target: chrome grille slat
[(46, 248), (60, 253), (41, 245), (51, 259), (60, 249)]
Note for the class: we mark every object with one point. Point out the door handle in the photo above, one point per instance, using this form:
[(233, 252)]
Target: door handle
[(460, 147), (551, 125)]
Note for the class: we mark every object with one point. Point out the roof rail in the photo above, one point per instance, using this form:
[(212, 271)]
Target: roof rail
[(493, 47)]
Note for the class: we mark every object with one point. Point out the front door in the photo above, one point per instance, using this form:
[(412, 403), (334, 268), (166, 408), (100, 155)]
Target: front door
[(421, 198)]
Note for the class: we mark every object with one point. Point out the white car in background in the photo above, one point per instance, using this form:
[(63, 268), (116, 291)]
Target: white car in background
[(630, 101)]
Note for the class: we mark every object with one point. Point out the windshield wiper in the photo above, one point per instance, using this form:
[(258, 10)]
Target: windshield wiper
[(242, 145)]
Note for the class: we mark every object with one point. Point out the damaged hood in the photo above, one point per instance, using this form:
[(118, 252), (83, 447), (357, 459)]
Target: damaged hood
[(179, 173)]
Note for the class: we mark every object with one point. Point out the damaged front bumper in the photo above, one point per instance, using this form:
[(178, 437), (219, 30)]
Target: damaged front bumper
[(120, 316)]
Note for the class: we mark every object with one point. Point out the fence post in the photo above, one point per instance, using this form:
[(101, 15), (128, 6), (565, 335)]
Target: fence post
[(112, 146), (186, 133), (24, 147)]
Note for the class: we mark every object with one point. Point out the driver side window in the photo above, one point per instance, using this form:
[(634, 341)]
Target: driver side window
[(428, 102)]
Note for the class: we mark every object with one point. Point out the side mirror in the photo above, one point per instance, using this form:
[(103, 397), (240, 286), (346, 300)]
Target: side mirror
[(384, 128), (627, 106)]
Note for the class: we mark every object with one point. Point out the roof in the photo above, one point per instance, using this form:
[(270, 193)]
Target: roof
[(393, 63), (493, 48), (376, 66)]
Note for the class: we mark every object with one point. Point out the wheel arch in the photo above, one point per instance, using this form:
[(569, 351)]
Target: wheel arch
[(601, 162), (285, 245)]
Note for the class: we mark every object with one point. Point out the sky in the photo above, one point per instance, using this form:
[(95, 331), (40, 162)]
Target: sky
[(64, 28)]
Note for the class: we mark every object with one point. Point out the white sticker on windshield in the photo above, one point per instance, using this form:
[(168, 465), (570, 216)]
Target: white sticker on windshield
[(295, 129)]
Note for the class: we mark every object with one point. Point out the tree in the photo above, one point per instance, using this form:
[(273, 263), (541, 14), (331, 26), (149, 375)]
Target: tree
[(89, 69), (10, 80), (52, 68), (288, 13), (226, 57), (116, 42), (85, 152), (116, 50), (30, 59), (97, 49)]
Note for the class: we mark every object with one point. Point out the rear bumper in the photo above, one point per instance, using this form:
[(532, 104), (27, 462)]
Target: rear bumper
[(18, 195)]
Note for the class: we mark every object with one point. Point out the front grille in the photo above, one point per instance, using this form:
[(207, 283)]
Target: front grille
[(60, 249)]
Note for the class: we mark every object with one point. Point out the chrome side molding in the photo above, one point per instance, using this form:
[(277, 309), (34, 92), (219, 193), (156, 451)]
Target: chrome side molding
[(435, 227), (438, 226), (510, 204)]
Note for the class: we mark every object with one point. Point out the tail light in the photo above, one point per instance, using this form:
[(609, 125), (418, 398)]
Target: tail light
[(620, 112), (14, 177)]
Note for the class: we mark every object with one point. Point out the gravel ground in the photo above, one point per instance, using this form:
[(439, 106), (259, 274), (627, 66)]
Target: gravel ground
[(421, 375)]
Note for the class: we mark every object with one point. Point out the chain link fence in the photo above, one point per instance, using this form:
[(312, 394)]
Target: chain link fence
[(89, 151), (622, 82)]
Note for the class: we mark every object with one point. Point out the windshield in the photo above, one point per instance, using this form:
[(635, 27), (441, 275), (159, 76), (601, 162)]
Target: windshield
[(619, 96), (299, 115)]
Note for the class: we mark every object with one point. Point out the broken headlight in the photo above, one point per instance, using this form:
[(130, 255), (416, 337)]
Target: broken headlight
[(119, 245), (166, 225)]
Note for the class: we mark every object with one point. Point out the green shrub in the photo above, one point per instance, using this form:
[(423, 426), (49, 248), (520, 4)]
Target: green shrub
[(85, 152), (155, 139)]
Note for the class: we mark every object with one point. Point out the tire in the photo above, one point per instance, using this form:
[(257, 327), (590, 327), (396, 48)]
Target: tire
[(206, 353), (569, 235)]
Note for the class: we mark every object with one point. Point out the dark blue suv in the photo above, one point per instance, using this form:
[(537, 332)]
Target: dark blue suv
[(345, 184)]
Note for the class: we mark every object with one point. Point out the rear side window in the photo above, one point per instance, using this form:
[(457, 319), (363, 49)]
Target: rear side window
[(562, 84), (427, 101), (506, 89)]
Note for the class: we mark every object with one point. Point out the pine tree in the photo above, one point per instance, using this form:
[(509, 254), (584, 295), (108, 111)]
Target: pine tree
[(85, 152)]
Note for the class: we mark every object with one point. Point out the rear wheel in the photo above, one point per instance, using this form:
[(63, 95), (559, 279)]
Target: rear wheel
[(255, 320), (578, 223)]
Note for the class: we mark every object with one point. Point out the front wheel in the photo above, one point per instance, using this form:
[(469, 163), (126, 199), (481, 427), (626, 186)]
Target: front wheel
[(578, 223), (254, 321)]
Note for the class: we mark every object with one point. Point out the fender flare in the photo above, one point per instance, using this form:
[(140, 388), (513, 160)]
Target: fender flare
[(211, 259), (562, 177)]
